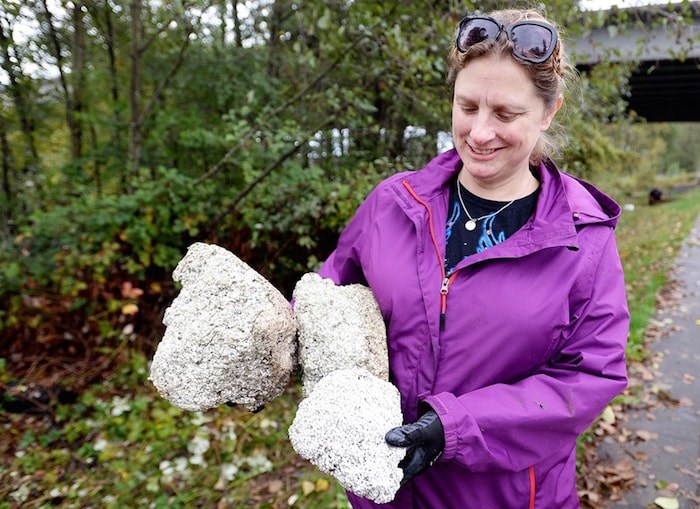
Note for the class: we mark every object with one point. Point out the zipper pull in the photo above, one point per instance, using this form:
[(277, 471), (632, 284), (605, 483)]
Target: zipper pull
[(445, 284), (443, 301)]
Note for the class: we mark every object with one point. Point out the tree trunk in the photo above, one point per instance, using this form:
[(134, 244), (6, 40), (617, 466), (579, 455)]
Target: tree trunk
[(79, 81), (134, 156), (102, 16), (18, 97), (237, 38), (98, 161), (7, 170), (223, 6), (275, 26), (73, 128)]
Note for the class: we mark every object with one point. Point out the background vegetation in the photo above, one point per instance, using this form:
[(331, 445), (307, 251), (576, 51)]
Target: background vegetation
[(130, 130)]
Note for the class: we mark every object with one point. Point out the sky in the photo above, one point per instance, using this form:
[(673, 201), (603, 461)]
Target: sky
[(594, 5)]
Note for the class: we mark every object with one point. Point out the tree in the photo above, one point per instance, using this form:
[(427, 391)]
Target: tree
[(257, 125), (19, 88)]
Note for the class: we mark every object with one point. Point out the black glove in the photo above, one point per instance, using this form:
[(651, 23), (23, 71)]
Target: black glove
[(425, 440)]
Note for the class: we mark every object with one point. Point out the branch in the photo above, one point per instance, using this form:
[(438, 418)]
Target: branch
[(165, 26), (167, 79), (220, 164), (270, 168), (163, 85)]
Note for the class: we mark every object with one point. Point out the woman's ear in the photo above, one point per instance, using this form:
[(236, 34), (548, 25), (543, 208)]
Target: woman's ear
[(551, 112)]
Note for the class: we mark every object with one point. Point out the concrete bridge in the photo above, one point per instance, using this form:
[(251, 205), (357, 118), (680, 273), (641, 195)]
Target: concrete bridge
[(666, 85)]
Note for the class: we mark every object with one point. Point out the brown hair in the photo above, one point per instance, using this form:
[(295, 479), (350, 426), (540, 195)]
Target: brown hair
[(550, 78)]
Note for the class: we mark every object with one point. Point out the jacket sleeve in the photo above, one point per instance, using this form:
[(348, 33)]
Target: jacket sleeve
[(509, 427)]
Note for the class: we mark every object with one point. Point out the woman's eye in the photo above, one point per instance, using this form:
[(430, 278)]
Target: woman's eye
[(506, 117)]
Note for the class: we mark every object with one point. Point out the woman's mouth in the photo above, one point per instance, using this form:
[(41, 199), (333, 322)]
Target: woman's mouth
[(481, 151)]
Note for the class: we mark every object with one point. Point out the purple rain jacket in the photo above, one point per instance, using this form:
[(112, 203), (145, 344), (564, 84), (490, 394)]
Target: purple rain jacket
[(518, 351)]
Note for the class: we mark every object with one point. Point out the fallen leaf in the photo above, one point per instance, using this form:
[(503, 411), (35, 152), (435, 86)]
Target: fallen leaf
[(307, 487), (275, 486), (129, 291), (604, 428), (646, 435), (641, 456), (608, 415), (667, 503), (670, 449), (685, 402), (130, 309), (688, 378), (322, 485)]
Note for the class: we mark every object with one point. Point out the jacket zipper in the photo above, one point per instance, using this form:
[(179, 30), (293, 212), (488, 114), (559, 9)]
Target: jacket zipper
[(533, 487), (445, 285)]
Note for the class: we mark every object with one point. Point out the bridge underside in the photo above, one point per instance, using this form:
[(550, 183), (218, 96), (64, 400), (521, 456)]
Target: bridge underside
[(667, 91)]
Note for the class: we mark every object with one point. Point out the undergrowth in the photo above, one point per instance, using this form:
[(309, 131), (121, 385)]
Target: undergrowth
[(121, 445)]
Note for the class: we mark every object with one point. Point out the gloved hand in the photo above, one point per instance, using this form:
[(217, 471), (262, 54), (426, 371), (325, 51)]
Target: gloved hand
[(425, 440)]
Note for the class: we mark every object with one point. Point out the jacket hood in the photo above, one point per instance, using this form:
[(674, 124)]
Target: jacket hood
[(586, 203)]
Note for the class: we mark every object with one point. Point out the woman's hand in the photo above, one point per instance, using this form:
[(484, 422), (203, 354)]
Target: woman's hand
[(425, 440)]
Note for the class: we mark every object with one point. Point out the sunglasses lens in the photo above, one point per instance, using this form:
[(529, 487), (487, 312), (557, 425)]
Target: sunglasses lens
[(532, 42), (474, 31)]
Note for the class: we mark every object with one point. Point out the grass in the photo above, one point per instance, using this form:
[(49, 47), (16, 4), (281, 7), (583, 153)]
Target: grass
[(122, 445), (649, 239)]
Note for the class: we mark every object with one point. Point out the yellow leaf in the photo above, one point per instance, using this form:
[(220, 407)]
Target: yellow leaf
[(130, 309), (667, 502), (697, 322), (307, 487), (322, 485), (608, 415)]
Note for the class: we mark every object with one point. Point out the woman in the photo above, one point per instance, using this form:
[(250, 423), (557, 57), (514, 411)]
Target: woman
[(500, 283)]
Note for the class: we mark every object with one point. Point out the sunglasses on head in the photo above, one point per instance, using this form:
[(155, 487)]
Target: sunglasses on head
[(533, 41)]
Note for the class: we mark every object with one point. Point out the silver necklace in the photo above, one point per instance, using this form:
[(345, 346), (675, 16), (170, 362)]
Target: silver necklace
[(470, 225)]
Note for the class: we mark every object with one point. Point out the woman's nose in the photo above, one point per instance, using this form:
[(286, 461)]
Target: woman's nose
[(482, 129)]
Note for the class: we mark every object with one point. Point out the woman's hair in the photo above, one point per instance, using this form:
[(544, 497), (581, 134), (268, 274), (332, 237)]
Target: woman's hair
[(550, 77)]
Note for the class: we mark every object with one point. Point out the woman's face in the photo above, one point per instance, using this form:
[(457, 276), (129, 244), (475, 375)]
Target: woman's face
[(497, 118)]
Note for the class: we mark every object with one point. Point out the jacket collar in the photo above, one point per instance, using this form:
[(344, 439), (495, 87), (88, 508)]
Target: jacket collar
[(564, 204)]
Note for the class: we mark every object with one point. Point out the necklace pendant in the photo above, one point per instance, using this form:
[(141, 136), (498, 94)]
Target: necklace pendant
[(470, 225)]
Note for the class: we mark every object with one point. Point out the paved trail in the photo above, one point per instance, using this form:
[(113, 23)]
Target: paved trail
[(664, 444)]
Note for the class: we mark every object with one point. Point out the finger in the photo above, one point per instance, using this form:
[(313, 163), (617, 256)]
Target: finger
[(414, 465), (397, 437), (407, 457), (406, 435)]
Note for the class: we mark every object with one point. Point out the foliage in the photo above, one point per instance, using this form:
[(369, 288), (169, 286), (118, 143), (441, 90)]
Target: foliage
[(103, 241), (280, 107), (122, 445), (259, 126)]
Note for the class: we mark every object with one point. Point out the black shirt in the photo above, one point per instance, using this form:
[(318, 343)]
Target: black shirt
[(489, 231)]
